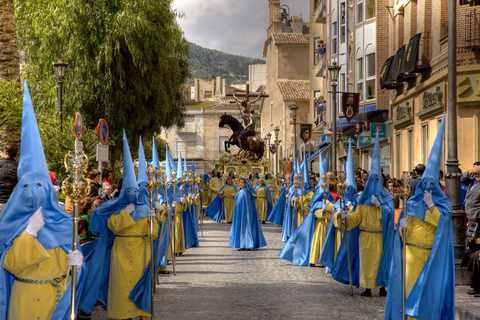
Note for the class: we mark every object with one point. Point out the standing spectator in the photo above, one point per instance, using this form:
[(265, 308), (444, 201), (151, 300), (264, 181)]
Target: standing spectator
[(93, 181), (53, 175), (417, 177), (108, 192), (119, 185), (472, 199), (467, 177), (8, 174), (108, 177)]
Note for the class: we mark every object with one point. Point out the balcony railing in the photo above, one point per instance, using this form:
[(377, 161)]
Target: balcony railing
[(472, 29)]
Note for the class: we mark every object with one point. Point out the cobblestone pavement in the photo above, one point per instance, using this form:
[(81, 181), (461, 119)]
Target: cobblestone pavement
[(215, 281)]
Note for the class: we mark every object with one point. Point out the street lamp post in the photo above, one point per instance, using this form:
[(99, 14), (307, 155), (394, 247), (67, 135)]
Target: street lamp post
[(294, 110), (60, 67), (276, 130), (334, 69)]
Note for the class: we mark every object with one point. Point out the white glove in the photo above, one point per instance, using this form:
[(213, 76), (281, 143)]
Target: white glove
[(327, 201), (349, 205), (218, 190), (158, 206), (221, 192), (190, 195), (197, 196), (169, 179), (181, 187), (174, 204), (233, 194), (325, 206), (169, 209), (427, 198), (75, 258), (344, 214), (302, 208), (183, 199), (159, 196), (130, 208), (374, 201), (294, 198), (152, 215), (35, 223), (403, 223)]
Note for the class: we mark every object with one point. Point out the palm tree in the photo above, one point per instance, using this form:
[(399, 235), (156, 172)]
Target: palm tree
[(9, 62)]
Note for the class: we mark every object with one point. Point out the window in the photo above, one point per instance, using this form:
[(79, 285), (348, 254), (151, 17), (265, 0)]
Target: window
[(221, 145), (189, 125), (410, 163), (334, 38), (271, 113), (424, 143), (341, 88), (208, 94), (370, 70), (398, 151), (342, 23), (360, 78), (359, 11), (191, 149), (370, 9)]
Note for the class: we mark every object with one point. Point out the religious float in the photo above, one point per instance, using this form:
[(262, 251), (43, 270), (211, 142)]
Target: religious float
[(242, 163)]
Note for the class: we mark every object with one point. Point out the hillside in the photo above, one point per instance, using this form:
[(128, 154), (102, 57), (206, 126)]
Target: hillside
[(205, 63)]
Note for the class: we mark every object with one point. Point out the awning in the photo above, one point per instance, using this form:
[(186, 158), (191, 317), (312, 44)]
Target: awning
[(322, 146), (385, 80), (395, 73), (409, 63)]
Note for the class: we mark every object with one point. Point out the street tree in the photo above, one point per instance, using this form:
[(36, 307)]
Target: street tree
[(128, 61)]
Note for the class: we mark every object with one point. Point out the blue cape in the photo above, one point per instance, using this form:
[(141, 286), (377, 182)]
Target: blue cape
[(215, 209), (276, 216), (246, 232)]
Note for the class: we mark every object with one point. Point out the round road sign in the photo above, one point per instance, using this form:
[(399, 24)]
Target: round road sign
[(102, 131), (78, 126)]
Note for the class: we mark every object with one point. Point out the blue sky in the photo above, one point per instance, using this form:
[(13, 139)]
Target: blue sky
[(232, 26)]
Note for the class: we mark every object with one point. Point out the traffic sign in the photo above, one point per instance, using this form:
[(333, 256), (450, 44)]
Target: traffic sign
[(381, 130), (102, 131), (348, 139), (102, 152), (78, 126)]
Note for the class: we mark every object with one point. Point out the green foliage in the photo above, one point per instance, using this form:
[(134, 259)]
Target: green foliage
[(128, 61), (10, 104), (205, 63)]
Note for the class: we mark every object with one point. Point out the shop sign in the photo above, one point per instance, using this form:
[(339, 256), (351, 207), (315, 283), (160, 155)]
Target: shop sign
[(432, 99), (348, 139), (365, 140), (381, 127)]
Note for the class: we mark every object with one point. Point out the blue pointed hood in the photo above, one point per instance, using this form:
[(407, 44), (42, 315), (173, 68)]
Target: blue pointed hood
[(351, 191), (173, 165), (155, 161), (34, 189), (307, 187), (429, 181), (168, 166), (193, 166), (129, 178), (179, 165), (142, 163), (317, 199), (325, 163), (185, 168), (374, 186)]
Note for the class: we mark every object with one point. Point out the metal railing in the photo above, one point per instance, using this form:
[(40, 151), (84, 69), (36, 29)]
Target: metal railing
[(472, 29)]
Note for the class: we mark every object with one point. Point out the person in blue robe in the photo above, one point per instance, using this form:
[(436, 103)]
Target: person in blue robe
[(216, 209), (277, 213), (98, 261), (430, 284), (266, 190), (190, 226), (246, 232), (297, 249), (34, 199)]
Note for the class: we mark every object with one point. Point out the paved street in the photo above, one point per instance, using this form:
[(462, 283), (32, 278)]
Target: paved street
[(216, 281)]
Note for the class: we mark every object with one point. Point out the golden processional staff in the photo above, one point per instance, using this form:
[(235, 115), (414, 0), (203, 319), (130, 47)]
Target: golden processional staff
[(405, 193), (342, 185), (76, 162)]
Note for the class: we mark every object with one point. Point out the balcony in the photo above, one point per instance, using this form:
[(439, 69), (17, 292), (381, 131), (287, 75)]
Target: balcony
[(319, 120), (472, 30), (320, 11), (320, 65)]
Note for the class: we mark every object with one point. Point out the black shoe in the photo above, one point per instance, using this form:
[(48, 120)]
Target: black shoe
[(83, 316), (474, 291), (263, 222), (366, 293), (477, 295), (163, 272), (383, 292)]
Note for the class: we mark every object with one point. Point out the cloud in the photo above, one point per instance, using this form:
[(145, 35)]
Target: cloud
[(232, 26)]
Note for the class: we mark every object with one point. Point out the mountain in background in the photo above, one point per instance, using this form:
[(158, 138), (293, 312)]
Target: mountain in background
[(205, 63)]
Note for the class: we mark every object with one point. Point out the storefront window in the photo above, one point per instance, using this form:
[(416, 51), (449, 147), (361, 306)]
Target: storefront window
[(359, 11)]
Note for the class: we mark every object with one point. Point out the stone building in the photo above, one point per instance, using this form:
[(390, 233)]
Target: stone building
[(419, 93), (286, 50)]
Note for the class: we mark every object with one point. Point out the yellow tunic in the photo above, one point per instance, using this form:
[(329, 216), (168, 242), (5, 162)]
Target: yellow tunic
[(303, 201), (370, 242), (205, 194), (254, 182), (420, 236), (27, 259), (272, 186), (229, 201), (131, 253), (320, 233), (179, 232), (261, 203)]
